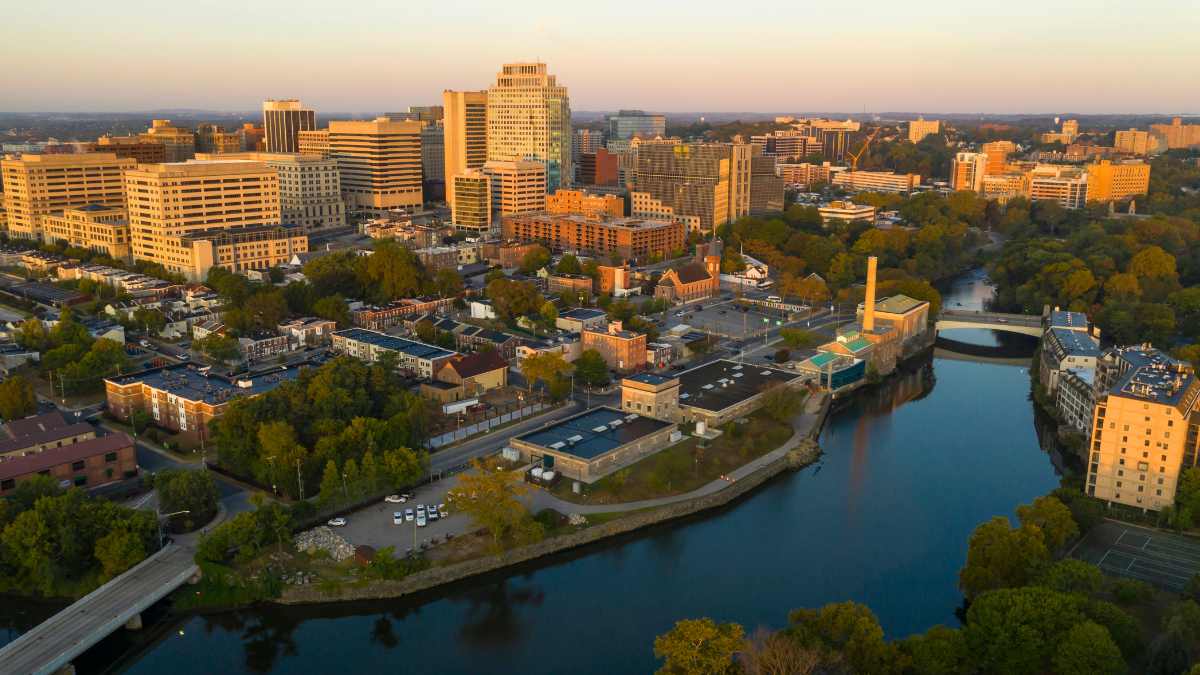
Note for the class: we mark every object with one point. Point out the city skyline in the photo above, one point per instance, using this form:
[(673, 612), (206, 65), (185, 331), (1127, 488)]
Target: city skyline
[(669, 60)]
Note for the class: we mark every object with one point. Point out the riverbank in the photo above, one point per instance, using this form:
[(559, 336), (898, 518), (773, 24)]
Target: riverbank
[(799, 451)]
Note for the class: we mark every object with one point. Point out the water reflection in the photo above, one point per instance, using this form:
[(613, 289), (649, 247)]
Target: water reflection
[(492, 613)]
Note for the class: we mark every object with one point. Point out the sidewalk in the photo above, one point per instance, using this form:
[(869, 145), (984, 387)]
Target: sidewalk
[(802, 427)]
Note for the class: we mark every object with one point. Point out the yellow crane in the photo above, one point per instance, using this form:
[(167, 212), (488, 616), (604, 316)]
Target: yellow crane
[(855, 155)]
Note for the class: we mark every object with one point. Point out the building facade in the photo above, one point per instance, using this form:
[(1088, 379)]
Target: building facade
[(877, 181), (627, 124), (1117, 181), (918, 129), (967, 171), (37, 185), (630, 238), (418, 358), (313, 142), (597, 168), (529, 118), (471, 210), (144, 151), (283, 120), (380, 164), (310, 194), (581, 203), (708, 180), (517, 186), (179, 145), (623, 350), (104, 229), (464, 135)]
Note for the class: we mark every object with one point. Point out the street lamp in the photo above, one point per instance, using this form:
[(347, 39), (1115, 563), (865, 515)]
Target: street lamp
[(160, 517)]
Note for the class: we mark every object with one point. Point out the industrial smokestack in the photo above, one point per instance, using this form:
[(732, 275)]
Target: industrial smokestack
[(868, 323)]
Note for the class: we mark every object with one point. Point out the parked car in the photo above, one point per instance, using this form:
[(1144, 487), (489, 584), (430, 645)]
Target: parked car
[(337, 522), (408, 515), (421, 521), (394, 499), (420, 509), (433, 513), (144, 343), (397, 518)]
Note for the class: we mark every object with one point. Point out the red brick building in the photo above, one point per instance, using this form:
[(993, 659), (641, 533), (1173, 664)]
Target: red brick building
[(85, 464), (693, 281)]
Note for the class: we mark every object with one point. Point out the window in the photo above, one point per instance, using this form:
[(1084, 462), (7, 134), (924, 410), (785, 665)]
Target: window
[(77, 466), (8, 483), (80, 481), (110, 457)]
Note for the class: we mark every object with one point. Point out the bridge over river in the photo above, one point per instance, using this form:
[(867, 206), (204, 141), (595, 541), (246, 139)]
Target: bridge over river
[(1024, 324), (51, 645)]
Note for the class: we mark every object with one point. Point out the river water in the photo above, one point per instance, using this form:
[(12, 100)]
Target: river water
[(908, 471)]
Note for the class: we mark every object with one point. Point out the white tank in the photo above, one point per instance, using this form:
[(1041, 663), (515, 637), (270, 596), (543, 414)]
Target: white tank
[(701, 428)]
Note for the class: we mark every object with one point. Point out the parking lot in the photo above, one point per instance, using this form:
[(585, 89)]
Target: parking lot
[(726, 318), (372, 526), (1166, 560)]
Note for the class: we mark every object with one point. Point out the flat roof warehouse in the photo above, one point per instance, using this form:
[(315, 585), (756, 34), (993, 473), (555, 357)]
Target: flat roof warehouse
[(718, 385), (594, 432)]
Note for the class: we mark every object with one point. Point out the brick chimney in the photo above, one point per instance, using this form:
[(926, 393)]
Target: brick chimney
[(868, 322)]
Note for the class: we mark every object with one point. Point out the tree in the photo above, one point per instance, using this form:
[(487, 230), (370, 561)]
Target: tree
[(218, 347), (1016, 630), (490, 495), (546, 367), (402, 466), (549, 314), (999, 556), (798, 338), (1072, 576), (782, 402), (1053, 518), (149, 320), (117, 551), (331, 485), (537, 258), (334, 308), (938, 651), (511, 299), (32, 335), (568, 264), (771, 653), (1088, 649), (17, 399), (591, 369), (698, 647), (850, 629), (186, 490), (447, 282)]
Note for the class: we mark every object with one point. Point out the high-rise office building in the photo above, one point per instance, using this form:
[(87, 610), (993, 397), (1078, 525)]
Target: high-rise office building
[(418, 113), (586, 140), (529, 118), (283, 120), (997, 155), (472, 210), (967, 171), (1116, 181), (192, 216), (918, 129), (707, 180), (213, 139), (252, 137), (464, 134), (834, 135), (766, 186), (787, 146), (380, 163), (36, 186), (1067, 185), (597, 168), (180, 144), (627, 124), (313, 142), (433, 160), (310, 195), (144, 151), (517, 187)]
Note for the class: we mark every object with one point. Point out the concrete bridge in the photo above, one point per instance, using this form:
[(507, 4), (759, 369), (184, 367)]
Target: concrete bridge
[(1024, 324), (51, 645)]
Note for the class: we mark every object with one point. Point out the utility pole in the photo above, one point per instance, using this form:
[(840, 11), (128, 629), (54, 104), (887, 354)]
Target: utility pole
[(299, 480)]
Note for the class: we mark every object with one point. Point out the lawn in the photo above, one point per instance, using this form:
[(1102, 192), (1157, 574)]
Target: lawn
[(684, 466)]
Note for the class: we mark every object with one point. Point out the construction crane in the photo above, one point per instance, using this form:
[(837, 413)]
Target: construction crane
[(855, 155)]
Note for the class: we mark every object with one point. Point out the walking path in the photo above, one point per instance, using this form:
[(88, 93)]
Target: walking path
[(804, 426)]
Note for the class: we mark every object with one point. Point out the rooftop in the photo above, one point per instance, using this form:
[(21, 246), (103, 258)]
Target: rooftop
[(22, 466), (594, 432), (899, 304), (720, 384), (34, 424), (1153, 376), (1064, 319), (186, 381), (411, 348), (1068, 342), (583, 314), (651, 378)]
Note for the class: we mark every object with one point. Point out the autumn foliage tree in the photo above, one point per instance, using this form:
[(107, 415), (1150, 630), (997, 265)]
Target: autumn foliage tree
[(491, 496)]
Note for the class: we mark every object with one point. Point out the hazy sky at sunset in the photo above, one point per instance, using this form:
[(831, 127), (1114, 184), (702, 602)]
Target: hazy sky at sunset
[(747, 55)]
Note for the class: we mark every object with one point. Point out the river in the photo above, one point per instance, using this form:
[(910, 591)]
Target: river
[(883, 518)]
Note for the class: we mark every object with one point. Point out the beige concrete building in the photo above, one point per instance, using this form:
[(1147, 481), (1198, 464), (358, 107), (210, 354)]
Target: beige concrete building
[(36, 186), (644, 205), (918, 129), (877, 181), (805, 174), (997, 155), (104, 229), (1177, 134), (213, 139), (313, 142), (167, 202), (465, 134), (240, 249), (529, 118), (967, 170), (1005, 186), (310, 194), (1144, 427), (707, 180), (1067, 185), (517, 187), (846, 211), (472, 210), (579, 202), (380, 164), (629, 238), (283, 120), (144, 151), (1116, 181), (1135, 142), (179, 144)]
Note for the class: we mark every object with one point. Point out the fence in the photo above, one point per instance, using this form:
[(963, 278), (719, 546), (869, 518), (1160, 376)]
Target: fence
[(469, 430)]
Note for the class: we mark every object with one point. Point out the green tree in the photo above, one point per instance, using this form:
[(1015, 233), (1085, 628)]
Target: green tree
[(698, 647), (1016, 630), (568, 264), (537, 258), (32, 335), (331, 485), (1072, 576), (798, 338), (220, 348), (334, 308), (490, 495), (545, 367), (937, 651), (849, 629), (17, 399), (549, 314), (187, 490), (149, 320), (117, 551), (999, 556), (1053, 518), (591, 369), (1088, 649)]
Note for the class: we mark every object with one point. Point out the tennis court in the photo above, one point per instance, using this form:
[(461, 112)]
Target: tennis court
[(1166, 560)]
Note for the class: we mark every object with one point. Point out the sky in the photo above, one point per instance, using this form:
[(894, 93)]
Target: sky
[(1013, 56)]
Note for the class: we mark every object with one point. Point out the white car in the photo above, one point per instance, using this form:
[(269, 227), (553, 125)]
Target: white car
[(337, 522), (433, 513), (421, 521), (408, 515), (394, 499), (397, 518), (420, 509)]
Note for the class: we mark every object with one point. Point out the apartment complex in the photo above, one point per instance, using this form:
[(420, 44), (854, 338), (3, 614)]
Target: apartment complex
[(283, 120), (581, 203), (472, 207), (167, 202), (846, 211), (787, 145), (144, 151), (1135, 142), (1144, 427), (37, 185), (626, 237), (529, 118), (707, 180), (1177, 134), (967, 170), (627, 124), (310, 194), (71, 454), (465, 134), (313, 142), (805, 174), (623, 350), (517, 186), (104, 229), (918, 129), (586, 140), (997, 155), (1109, 181), (179, 145), (643, 205), (834, 135), (418, 358), (257, 247), (1066, 185), (380, 163), (877, 181)]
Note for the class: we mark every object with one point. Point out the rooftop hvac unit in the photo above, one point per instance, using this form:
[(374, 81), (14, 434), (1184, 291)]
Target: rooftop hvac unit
[(765, 372), (603, 427), (631, 417), (615, 423), (557, 445), (707, 386)]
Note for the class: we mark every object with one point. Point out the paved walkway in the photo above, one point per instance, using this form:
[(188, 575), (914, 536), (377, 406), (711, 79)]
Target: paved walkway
[(803, 425)]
